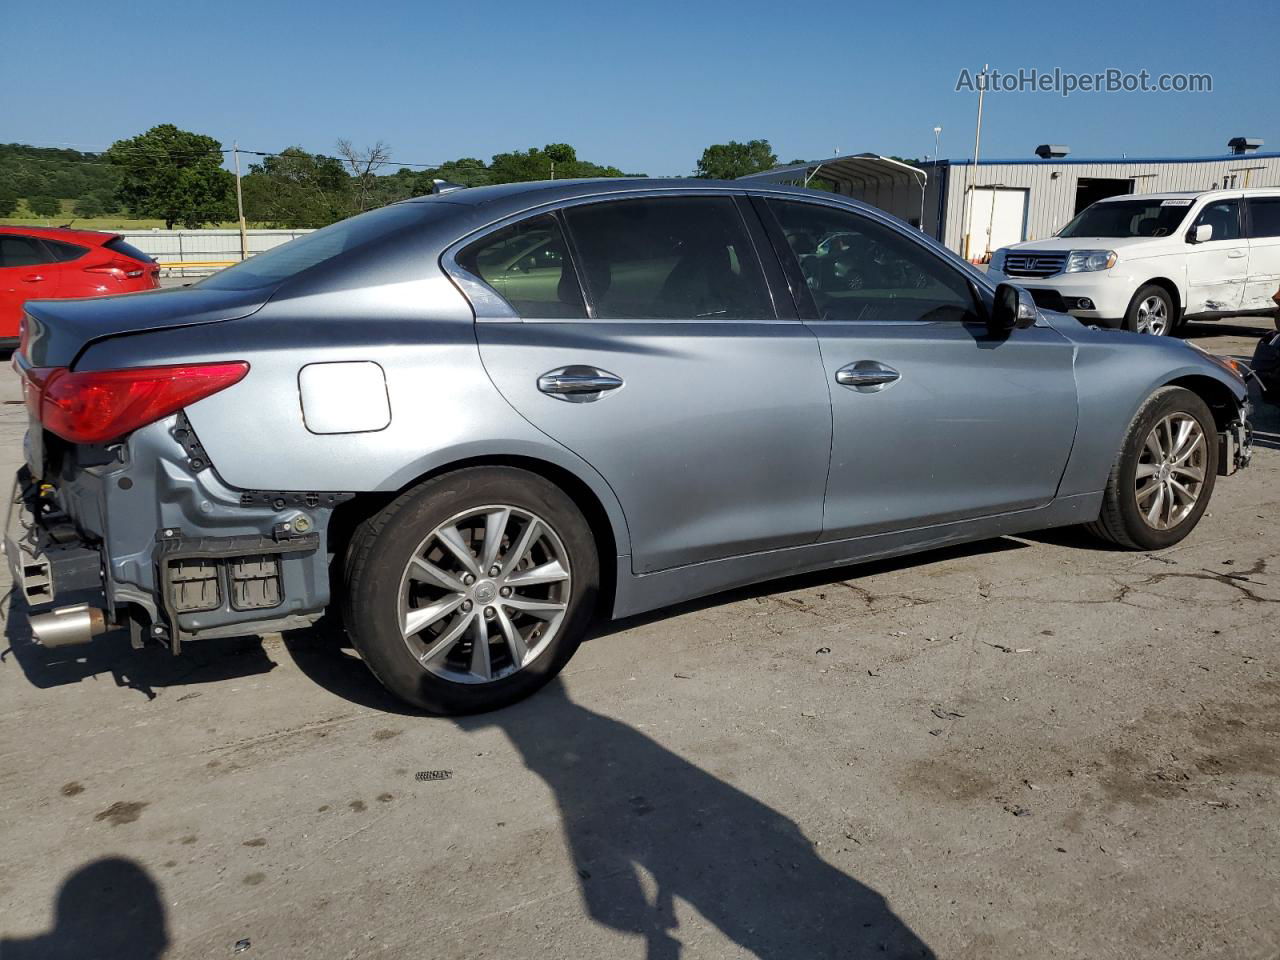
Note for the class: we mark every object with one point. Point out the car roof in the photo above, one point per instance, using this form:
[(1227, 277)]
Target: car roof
[(1196, 194), (67, 234)]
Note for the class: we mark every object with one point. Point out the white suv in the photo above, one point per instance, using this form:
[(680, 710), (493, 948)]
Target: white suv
[(1146, 262)]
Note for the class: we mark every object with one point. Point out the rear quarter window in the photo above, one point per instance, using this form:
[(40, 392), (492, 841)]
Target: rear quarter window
[(126, 249)]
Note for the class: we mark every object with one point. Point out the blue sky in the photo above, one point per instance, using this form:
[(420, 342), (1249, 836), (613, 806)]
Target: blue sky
[(642, 86)]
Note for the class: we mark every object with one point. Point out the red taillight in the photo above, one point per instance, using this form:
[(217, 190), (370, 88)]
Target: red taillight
[(120, 269), (96, 406)]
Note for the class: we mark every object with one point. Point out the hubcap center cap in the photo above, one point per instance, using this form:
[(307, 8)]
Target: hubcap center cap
[(485, 591), (1165, 473)]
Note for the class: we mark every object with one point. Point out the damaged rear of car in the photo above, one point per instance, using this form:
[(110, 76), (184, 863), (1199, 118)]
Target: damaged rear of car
[(119, 515)]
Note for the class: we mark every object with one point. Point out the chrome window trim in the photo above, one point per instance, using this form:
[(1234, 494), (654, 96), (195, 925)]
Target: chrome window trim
[(488, 311)]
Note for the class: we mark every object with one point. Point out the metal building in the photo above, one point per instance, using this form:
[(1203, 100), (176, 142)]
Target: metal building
[(1013, 200)]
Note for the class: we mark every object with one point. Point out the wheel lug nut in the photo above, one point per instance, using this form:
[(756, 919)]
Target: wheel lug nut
[(505, 591), (494, 571), (466, 606), (490, 613), (468, 579)]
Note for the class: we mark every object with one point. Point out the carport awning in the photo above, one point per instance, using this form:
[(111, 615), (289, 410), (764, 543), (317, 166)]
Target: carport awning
[(866, 176)]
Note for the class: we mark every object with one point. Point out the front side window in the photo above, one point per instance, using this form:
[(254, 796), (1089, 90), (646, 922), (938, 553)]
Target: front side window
[(669, 258), (861, 271), (1223, 216), (528, 264), (22, 252), (1264, 216)]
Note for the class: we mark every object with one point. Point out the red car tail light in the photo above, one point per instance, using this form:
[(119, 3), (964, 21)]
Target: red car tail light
[(96, 406), (118, 269)]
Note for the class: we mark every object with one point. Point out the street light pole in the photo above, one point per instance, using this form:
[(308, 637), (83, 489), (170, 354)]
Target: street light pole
[(972, 172), (244, 239), (937, 132)]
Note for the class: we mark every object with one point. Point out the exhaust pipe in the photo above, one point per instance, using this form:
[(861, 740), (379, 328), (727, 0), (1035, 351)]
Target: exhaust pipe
[(68, 626)]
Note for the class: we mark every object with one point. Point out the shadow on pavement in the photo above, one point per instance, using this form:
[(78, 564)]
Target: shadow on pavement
[(646, 827), (107, 910), (145, 670)]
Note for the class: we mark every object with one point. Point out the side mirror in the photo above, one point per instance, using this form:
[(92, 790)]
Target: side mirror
[(1013, 308), (1202, 233)]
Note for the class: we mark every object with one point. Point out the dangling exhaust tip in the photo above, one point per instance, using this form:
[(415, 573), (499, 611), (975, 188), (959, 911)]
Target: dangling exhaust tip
[(68, 626)]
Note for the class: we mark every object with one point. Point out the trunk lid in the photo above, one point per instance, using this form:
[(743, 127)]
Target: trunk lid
[(59, 330)]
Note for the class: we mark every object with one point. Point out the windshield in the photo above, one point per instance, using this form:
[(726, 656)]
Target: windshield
[(1129, 218), (280, 263)]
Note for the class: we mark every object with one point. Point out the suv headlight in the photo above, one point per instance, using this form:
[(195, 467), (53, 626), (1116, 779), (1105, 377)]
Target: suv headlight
[(997, 260), (1087, 261)]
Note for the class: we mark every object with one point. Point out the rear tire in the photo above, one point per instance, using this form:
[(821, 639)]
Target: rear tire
[(1161, 481), (498, 639), (1152, 311)]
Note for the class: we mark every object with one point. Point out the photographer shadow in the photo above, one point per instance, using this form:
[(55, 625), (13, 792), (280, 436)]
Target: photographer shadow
[(637, 816)]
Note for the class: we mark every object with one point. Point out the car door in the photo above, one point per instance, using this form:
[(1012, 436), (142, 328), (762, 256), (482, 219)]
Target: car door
[(27, 272), (675, 378), (1263, 222), (1217, 268), (934, 419)]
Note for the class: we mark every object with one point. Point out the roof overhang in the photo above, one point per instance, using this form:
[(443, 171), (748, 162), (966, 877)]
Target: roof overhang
[(851, 175)]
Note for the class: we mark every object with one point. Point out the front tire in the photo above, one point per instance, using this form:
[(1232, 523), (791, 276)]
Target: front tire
[(1152, 311), (472, 590), (1164, 475)]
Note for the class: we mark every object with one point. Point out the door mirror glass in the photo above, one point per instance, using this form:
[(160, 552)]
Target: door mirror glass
[(1013, 308), (1203, 233)]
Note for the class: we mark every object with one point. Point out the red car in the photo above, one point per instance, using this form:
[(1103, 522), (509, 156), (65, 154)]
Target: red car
[(56, 263)]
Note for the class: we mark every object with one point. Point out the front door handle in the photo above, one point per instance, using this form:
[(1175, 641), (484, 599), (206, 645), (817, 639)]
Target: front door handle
[(33, 278), (1235, 254), (867, 376), (578, 383)]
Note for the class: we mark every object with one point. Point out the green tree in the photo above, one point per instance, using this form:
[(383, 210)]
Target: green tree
[(728, 161), (297, 189), (45, 206), (535, 164), (8, 202), (89, 206), (467, 171), (174, 175)]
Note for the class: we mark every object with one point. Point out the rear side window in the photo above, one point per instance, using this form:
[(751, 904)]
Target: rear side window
[(669, 258), (22, 252), (859, 270), (1224, 217), (126, 249), (65, 252), (528, 265), (1264, 216)]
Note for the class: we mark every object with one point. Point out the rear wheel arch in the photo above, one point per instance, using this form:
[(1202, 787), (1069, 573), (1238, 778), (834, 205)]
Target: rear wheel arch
[(348, 516)]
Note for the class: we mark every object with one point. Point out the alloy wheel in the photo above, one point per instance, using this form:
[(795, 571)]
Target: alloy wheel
[(1171, 471), (484, 594), (1153, 316)]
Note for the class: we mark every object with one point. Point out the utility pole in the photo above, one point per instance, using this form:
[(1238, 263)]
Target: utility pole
[(553, 169), (972, 172), (244, 239)]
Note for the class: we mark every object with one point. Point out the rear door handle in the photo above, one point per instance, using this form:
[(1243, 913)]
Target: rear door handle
[(33, 278), (578, 383), (867, 376)]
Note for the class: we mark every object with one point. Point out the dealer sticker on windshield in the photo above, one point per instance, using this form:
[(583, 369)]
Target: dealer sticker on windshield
[(1175, 203)]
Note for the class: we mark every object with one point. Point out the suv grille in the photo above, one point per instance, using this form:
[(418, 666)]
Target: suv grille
[(1034, 264)]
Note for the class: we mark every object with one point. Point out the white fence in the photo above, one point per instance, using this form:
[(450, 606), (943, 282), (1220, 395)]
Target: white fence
[(194, 253)]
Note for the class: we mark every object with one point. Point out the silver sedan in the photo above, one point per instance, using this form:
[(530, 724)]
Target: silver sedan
[(471, 424)]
